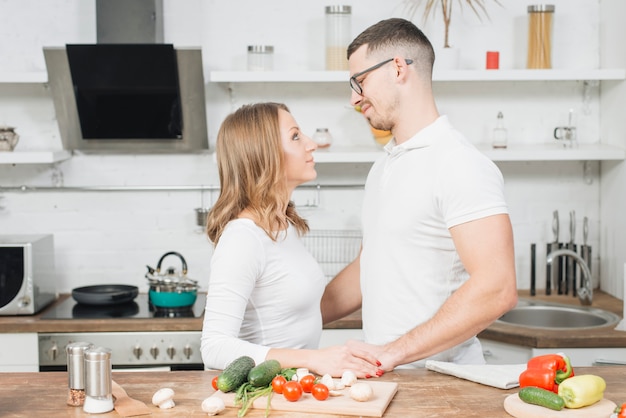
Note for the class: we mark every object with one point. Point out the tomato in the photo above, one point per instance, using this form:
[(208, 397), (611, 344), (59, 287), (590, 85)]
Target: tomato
[(214, 382), (292, 391), (278, 382), (320, 391), (307, 382)]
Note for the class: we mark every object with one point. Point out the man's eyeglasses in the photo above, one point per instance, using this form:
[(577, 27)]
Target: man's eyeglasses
[(356, 86)]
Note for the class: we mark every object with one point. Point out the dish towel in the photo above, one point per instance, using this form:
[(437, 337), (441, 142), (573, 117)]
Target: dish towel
[(502, 376)]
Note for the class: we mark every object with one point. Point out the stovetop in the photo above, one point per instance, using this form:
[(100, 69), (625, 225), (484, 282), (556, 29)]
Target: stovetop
[(139, 308)]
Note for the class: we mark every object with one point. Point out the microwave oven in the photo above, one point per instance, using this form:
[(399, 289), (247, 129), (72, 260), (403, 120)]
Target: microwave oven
[(27, 273)]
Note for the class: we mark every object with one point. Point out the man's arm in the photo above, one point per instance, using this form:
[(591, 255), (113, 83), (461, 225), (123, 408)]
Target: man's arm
[(343, 294), (485, 247)]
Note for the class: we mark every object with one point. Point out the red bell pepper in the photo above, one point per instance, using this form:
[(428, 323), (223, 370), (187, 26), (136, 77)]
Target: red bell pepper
[(546, 371)]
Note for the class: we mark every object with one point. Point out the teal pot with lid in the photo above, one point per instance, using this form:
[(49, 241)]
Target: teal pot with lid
[(171, 288)]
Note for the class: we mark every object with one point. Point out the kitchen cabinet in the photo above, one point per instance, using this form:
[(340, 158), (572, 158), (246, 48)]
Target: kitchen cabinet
[(30, 157), (522, 152), (18, 352)]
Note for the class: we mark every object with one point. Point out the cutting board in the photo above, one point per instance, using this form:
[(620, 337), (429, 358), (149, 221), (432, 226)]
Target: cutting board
[(340, 405), (520, 409)]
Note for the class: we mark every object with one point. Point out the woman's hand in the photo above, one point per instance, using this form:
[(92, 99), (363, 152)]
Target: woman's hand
[(336, 359)]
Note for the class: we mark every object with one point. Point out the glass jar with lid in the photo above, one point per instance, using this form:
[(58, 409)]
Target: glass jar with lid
[(260, 58), (338, 37), (540, 36)]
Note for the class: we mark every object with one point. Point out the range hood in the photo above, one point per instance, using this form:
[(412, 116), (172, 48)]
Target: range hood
[(129, 93)]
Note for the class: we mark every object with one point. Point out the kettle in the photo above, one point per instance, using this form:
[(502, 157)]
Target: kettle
[(8, 138)]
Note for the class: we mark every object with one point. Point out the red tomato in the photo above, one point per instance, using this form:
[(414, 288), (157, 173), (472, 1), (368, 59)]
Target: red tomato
[(277, 383), (292, 391), (307, 382), (320, 391), (214, 382)]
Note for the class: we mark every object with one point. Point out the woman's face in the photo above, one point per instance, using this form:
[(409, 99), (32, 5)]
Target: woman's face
[(298, 149)]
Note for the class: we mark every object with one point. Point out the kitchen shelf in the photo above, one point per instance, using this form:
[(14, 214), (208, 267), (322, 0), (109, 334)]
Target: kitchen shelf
[(455, 75), (24, 77), (529, 152), (34, 157)]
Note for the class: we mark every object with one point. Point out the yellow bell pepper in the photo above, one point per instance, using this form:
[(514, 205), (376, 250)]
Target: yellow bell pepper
[(582, 390)]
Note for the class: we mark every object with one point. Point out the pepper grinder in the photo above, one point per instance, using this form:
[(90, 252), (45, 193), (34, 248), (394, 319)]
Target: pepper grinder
[(76, 372), (98, 381)]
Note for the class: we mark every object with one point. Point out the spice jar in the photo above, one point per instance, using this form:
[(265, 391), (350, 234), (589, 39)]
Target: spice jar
[(98, 381), (322, 137), (76, 372), (337, 37), (540, 36), (260, 58)]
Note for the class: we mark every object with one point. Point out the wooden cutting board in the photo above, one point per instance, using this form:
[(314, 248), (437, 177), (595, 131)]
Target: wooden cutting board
[(520, 409), (340, 405)]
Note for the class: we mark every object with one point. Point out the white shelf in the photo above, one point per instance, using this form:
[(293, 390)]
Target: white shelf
[(530, 152), (457, 75), (24, 77), (34, 157)]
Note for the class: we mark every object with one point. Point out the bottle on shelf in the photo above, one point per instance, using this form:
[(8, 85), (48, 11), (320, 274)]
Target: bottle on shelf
[(499, 133)]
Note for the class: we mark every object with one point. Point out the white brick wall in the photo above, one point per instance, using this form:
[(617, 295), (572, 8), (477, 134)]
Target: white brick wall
[(111, 236)]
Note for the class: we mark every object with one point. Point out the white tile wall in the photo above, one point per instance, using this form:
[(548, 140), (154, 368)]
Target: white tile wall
[(111, 236)]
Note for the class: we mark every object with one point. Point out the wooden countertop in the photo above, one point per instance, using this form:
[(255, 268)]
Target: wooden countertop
[(421, 393), (527, 337)]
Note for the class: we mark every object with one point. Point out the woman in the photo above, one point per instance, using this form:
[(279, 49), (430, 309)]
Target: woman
[(265, 288)]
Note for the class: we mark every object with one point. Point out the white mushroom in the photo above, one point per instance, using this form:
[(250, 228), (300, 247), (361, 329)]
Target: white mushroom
[(164, 398), (361, 392), (213, 405), (301, 372), (348, 378), (328, 381)]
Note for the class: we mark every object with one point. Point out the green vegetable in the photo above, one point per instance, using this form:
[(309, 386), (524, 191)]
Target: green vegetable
[(235, 374), (582, 390), (262, 374), (541, 397)]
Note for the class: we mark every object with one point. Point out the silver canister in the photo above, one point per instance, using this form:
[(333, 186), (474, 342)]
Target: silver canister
[(98, 380), (76, 372)]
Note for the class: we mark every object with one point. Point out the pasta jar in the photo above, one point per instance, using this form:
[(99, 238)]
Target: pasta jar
[(260, 58), (337, 37), (540, 36)]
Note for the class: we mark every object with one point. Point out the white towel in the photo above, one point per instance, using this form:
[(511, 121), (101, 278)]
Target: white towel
[(502, 376)]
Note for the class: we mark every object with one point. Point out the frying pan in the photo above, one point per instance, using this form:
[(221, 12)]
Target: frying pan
[(105, 294)]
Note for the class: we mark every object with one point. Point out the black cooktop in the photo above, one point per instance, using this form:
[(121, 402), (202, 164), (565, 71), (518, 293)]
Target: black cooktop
[(139, 308)]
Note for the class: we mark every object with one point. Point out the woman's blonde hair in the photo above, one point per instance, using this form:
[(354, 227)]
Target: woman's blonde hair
[(250, 162)]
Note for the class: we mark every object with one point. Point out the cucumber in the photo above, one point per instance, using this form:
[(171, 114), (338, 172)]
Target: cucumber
[(541, 397), (262, 374), (235, 374)]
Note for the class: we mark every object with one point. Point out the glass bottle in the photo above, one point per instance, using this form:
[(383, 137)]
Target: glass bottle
[(338, 37), (540, 36), (499, 133)]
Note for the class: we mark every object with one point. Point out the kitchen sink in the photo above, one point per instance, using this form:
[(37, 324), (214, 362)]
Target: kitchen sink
[(533, 314)]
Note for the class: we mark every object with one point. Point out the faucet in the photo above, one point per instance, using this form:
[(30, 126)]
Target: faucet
[(585, 292)]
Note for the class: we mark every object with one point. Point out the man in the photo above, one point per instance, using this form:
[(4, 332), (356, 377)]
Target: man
[(437, 263)]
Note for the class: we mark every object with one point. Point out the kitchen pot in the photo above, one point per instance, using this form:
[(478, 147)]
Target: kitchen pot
[(171, 289)]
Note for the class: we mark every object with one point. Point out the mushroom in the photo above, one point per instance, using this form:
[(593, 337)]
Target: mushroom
[(361, 392), (164, 398), (213, 405), (348, 378), (328, 381)]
